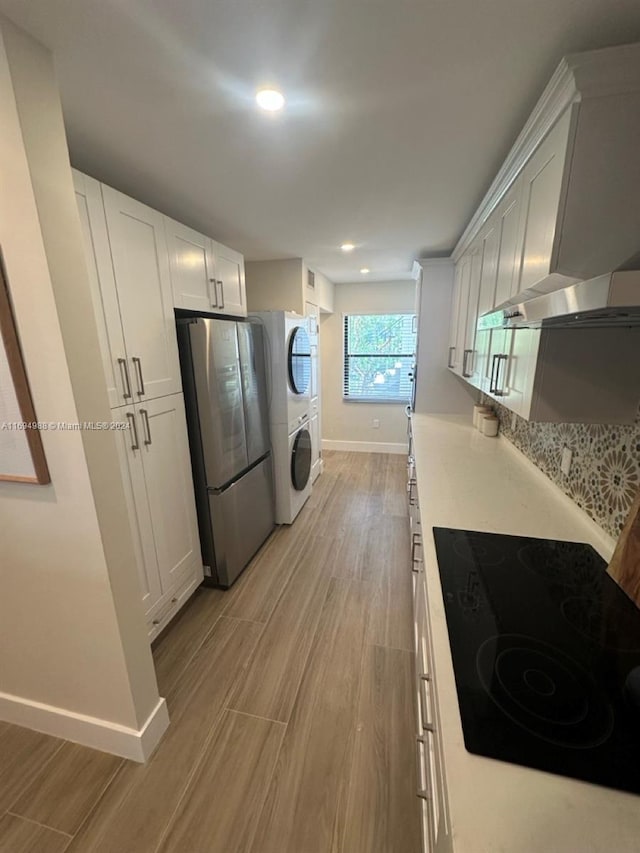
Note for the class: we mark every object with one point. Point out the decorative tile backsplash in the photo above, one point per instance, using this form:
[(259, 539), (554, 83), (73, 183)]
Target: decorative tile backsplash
[(604, 476)]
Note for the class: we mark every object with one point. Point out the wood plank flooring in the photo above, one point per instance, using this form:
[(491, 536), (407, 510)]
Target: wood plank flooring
[(290, 697)]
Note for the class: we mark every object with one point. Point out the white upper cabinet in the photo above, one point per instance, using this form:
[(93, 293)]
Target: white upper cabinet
[(103, 289), (205, 275), (471, 293), (506, 220), (141, 270), (229, 274), (541, 191), (192, 265), (564, 206)]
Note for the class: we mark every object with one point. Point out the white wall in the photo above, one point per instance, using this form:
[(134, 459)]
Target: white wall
[(74, 658), (343, 422), (438, 389), (275, 285)]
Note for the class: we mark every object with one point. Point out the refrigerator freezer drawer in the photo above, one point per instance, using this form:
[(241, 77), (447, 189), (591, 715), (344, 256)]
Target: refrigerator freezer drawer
[(242, 517)]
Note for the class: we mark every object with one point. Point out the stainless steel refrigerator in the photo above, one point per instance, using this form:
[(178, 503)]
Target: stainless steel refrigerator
[(224, 380)]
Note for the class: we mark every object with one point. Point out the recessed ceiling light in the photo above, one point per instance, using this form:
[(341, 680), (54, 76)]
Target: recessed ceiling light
[(365, 270), (347, 247), (270, 99)]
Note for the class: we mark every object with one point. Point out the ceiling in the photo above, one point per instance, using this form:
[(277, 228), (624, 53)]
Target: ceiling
[(398, 115)]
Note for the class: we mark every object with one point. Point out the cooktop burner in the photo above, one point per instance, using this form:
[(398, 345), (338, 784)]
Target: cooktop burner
[(546, 655)]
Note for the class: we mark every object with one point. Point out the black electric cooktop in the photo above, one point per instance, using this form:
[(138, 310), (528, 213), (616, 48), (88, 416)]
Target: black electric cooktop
[(546, 655)]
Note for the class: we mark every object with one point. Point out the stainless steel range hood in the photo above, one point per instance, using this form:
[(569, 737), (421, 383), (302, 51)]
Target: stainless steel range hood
[(609, 300)]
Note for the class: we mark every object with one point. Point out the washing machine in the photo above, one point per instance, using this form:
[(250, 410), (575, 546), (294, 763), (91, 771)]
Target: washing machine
[(292, 461), (289, 346)]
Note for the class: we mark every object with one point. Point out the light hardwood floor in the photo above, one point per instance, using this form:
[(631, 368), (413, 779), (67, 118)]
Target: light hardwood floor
[(291, 704)]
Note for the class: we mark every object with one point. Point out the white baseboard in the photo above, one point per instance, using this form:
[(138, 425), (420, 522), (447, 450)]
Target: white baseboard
[(88, 731), (365, 446)]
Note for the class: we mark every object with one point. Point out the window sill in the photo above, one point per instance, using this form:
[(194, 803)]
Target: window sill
[(376, 400)]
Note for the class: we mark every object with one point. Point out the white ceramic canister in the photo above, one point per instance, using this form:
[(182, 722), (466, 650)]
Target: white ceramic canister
[(489, 425), (478, 412)]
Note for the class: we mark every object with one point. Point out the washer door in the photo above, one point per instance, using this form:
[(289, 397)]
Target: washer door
[(299, 360), (301, 459)]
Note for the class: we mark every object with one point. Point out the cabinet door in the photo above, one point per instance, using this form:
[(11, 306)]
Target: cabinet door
[(103, 289), (192, 269), (471, 315), (489, 244), (314, 429), (141, 268), (494, 367), (230, 281), (541, 191), (167, 474), (520, 370), (130, 453), (452, 354), (507, 230)]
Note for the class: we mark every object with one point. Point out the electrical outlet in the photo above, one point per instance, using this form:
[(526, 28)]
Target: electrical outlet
[(375, 423), (565, 463)]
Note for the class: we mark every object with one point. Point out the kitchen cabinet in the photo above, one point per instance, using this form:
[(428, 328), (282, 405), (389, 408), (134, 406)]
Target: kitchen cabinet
[(430, 775), (230, 279), (562, 208), (505, 222), (192, 265), (312, 313), (541, 191), (128, 266), (141, 272), (316, 455), (155, 462), (103, 289), (458, 314)]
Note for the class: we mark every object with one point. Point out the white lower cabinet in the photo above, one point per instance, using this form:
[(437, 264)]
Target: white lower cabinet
[(154, 457), (314, 429), (430, 776)]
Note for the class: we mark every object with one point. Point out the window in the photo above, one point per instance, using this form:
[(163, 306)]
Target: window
[(378, 356)]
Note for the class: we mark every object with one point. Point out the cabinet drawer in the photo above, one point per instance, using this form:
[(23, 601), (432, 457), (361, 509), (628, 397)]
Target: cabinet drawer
[(169, 605)]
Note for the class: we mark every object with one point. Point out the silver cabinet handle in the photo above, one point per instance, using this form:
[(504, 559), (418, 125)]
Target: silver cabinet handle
[(416, 541), (493, 370), (412, 482), (450, 362), (214, 290), (135, 444), (145, 421), (138, 365), (498, 391), (124, 374), (427, 725), (221, 283), (465, 371), (422, 793)]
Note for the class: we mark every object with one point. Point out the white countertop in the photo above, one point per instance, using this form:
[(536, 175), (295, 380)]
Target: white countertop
[(466, 480)]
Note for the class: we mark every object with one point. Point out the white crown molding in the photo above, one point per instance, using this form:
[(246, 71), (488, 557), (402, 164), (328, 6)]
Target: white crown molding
[(135, 744), (559, 94), (581, 75)]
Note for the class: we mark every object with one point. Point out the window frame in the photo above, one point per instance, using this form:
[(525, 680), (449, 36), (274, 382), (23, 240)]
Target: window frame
[(346, 398)]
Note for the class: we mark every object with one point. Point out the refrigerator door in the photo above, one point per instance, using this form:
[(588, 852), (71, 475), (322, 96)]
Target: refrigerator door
[(254, 385), (218, 386), (242, 517)]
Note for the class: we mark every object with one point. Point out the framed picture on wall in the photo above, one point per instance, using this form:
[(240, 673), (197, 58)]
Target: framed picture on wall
[(22, 458)]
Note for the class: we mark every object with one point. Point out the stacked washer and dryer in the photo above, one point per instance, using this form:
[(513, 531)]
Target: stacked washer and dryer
[(289, 357)]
